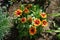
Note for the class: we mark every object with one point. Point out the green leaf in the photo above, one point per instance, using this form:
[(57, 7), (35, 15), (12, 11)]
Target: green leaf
[(58, 36), (54, 14), (49, 31), (5, 24)]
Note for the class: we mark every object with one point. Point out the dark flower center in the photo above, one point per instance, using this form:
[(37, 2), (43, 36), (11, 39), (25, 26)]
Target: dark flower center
[(37, 22), (18, 12), (44, 22), (23, 19), (43, 14), (32, 30)]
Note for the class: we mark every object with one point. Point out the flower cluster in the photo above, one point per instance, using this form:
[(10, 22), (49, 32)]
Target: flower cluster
[(30, 18)]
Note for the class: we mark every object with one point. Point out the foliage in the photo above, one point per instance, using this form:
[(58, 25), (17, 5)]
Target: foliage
[(54, 14), (56, 25), (4, 24), (58, 36), (30, 20), (55, 22)]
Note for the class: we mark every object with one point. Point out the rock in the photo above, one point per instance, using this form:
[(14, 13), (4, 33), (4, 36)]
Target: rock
[(54, 6)]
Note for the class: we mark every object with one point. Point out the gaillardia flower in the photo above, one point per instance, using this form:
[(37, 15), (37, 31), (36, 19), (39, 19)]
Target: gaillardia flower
[(26, 10), (30, 19), (37, 22), (18, 12), (44, 23), (29, 6), (43, 15), (32, 30), (23, 20)]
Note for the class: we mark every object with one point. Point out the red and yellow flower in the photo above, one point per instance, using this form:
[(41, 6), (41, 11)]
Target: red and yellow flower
[(37, 22), (23, 20), (32, 30), (44, 23), (26, 10), (43, 15), (18, 12), (30, 19), (29, 6)]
